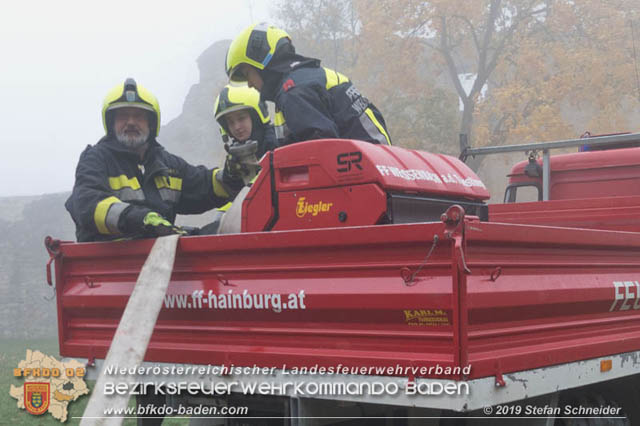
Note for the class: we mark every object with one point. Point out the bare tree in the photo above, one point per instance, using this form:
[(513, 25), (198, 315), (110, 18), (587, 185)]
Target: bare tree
[(489, 34)]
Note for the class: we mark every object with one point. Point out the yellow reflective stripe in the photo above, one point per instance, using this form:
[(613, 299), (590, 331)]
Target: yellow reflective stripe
[(170, 182), (100, 214), (278, 120), (279, 125), (123, 181), (334, 78), (225, 207), (218, 188), (377, 124)]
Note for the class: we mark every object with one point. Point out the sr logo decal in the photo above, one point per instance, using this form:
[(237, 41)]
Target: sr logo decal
[(349, 159)]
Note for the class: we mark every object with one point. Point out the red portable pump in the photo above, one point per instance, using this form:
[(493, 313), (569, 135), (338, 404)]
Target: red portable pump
[(338, 183)]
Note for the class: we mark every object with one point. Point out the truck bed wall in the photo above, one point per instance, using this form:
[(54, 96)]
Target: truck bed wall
[(534, 296), (354, 298), (614, 213)]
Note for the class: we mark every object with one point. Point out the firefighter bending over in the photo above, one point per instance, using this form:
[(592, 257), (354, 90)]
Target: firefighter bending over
[(314, 102), (127, 185)]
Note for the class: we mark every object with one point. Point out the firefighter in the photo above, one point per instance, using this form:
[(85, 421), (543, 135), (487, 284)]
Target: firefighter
[(312, 102), (127, 185), (243, 118)]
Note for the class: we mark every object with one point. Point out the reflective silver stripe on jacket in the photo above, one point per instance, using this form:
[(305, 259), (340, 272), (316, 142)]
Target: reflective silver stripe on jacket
[(129, 194), (371, 129), (169, 194), (113, 216)]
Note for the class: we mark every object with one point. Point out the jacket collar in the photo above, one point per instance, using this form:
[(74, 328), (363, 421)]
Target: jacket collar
[(275, 73)]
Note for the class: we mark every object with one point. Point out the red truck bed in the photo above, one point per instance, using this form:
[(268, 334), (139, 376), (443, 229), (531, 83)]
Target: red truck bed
[(614, 213), (499, 297)]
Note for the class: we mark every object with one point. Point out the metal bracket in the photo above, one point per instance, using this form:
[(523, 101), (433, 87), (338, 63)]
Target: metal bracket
[(53, 247), (89, 282), (454, 221), (495, 274), (225, 282)]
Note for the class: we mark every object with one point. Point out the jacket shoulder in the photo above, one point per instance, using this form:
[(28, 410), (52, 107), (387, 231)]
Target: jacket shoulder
[(306, 75), (174, 162), (92, 152)]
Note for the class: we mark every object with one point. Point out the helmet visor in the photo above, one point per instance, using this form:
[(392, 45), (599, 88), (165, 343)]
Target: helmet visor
[(238, 74), (140, 105)]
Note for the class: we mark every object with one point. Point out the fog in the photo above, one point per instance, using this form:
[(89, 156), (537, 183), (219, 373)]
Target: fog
[(59, 59)]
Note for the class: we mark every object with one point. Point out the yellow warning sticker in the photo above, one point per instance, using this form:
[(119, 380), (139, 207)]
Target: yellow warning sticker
[(426, 317)]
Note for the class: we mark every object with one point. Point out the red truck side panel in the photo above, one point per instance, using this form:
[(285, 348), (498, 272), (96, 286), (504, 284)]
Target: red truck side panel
[(615, 213), (533, 296), (352, 309), (560, 295)]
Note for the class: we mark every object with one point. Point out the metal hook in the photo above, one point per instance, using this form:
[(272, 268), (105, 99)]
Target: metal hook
[(495, 274), (407, 276), (225, 282), (53, 294)]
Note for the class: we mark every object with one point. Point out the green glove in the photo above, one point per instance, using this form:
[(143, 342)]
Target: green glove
[(157, 226)]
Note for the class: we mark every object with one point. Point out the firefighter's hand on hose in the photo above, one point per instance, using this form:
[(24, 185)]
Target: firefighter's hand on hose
[(157, 226)]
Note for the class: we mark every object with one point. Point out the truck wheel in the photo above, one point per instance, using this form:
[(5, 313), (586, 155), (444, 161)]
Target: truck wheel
[(151, 398), (592, 400)]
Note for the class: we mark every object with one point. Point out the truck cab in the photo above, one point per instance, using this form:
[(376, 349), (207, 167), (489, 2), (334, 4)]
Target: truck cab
[(595, 188), (611, 172)]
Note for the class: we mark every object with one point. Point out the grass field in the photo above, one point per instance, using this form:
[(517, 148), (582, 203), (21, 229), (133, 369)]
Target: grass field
[(11, 353)]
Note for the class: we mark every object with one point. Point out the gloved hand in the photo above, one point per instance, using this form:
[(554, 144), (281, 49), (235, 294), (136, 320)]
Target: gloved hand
[(157, 226), (231, 177), (232, 164), (242, 161)]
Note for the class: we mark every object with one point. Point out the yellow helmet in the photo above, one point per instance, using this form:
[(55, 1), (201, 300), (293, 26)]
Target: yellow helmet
[(254, 46), (236, 98), (130, 94)]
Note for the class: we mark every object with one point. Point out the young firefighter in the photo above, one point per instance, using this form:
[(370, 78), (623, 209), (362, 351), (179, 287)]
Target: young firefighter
[(244, 118), (312, 102)]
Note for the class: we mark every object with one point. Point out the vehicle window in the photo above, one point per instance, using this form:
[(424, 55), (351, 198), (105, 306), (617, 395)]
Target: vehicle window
[(522, 194)]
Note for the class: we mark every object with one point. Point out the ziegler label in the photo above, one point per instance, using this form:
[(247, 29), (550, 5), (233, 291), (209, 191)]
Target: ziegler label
[(303, 207)]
